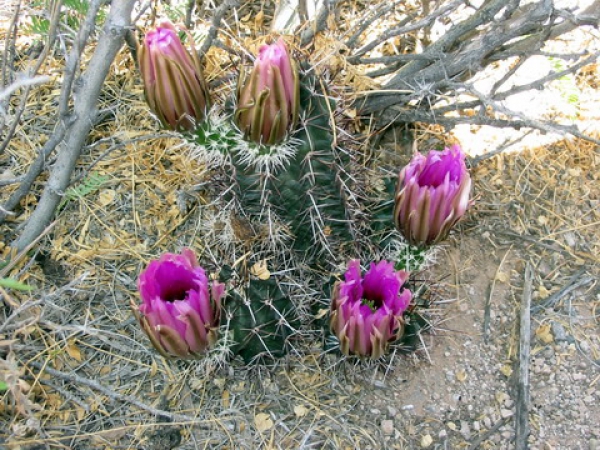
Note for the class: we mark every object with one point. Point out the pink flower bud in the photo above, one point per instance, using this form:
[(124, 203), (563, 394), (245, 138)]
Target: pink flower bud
[(173, 82), (432, 195), (268, 99)]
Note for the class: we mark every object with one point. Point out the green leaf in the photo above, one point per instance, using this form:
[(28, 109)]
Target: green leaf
[(14, 284), (3, 386), (89, 185)]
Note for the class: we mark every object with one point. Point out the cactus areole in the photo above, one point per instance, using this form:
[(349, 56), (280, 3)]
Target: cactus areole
[(268, 98), (366, 312), (174, 85), (180, 309), (432, 195)]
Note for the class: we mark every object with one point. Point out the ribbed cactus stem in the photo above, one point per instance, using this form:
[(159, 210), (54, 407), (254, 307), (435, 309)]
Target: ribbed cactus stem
[(303, 182)]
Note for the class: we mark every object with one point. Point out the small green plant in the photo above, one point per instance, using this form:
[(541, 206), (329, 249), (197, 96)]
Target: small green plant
[(567, 86), (72, 14), (89, 185), (14, 284)]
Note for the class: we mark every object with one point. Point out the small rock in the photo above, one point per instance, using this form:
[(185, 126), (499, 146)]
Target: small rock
[(548, 352), (487, 422), (443, 434), (387, 427), (451, 425), (426, 441), (584, 346), (392, 411), (465, 430), (594, 444), (560, 335), (476, 425), (504, 413)]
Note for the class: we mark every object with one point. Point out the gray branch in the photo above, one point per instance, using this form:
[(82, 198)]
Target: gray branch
[(216, 23), (522, 414), (73, 59), (119, 20), (426, 87)]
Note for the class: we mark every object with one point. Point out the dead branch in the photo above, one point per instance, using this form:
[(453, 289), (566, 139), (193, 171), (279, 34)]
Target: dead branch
[(79, 380), (430, 85), (320, 22), (522, 397), (23, 82), (118, 21), (216, 23), (89, 24), (32, 72), (34, 170)]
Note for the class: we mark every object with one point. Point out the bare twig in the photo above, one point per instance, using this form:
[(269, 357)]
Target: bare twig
[(118, 21), (488, 303), (320, 22), (18, 84), (34, 170), (429, 86), (474, 162), (74, 57), (575, 282), (79, 380), (32, 72), (14, 261), (476, 444), (216, 23), (8, 45), (372, 17), (522, 397), (189, 10), (590, 16), (407, 28)]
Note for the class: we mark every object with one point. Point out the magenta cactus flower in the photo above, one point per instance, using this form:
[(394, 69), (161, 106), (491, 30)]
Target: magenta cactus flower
[(268, 99), (432, 195), (366, 312), (180, 309), (174, 85)]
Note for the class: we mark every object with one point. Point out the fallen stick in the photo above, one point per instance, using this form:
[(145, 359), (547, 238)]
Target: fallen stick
[(522, 413), (575, 282)]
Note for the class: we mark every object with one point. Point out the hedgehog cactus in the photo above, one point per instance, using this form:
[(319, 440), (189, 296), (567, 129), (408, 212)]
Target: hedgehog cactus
[(285, 179), (291, 181)]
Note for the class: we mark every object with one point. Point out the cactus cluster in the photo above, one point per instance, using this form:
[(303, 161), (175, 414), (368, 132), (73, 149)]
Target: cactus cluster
[(290, 195)]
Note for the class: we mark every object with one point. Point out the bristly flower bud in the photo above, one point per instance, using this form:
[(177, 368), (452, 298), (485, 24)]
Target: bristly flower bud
[(180, 309), (366, 313), (268, 99), (173, 82), (432, 195)]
